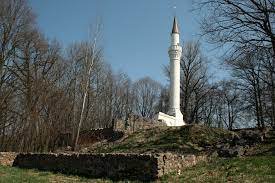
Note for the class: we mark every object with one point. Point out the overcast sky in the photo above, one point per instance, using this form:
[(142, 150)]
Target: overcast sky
[(135, 34)]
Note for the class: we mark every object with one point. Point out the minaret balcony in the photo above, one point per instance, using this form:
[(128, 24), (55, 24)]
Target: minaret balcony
[(175, 47), (175, 52)]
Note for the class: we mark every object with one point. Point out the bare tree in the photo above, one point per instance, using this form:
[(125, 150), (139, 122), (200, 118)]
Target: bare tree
[(123, 98), (15, 19), (246, 27), (194, 81), (163, 103), (230, 97), (90, 54), (248, 71), (47, 99), (146, 94), (240, 22)]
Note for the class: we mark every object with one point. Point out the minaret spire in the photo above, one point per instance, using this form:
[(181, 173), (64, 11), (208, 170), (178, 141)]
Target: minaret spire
[(175, 26)]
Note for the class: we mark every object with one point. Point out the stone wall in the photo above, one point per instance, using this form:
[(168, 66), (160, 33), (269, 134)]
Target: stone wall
[(96, 135), (7, 158), (169, 162), (135, 123), (144, 167)]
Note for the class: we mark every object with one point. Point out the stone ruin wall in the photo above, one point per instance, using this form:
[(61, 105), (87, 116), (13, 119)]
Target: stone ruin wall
[(144, 167), (7, 158), (136, 123), (169, 162)]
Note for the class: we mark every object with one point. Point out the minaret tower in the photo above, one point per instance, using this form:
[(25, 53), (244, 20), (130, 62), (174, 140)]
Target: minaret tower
[(175, 51), (174, 116)]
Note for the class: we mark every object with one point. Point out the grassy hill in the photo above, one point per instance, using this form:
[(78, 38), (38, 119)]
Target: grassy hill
[(258, 165), (187, 139)]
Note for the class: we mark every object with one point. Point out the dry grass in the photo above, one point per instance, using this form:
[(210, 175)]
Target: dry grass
[(186, 139)]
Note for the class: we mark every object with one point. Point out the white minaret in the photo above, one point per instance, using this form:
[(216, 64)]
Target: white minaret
[(175, 51), (174, 117)]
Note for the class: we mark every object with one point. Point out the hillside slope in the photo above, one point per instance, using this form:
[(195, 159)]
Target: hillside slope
[(187, 139)]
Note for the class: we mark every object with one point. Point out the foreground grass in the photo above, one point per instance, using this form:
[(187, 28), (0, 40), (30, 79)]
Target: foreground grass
[(17, 175), (247, 169)]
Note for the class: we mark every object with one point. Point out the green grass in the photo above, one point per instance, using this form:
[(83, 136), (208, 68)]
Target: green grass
[(247, 169), (17, 175)]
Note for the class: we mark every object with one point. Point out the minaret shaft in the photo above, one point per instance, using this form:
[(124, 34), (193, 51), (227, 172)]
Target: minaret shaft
[(175, 84), (175, 51)]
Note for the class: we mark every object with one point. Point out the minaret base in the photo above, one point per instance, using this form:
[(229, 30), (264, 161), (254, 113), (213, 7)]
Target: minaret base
[(171, 120), (178, 115)]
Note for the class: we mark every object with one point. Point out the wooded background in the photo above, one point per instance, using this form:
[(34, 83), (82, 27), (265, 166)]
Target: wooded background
[(46, 92)]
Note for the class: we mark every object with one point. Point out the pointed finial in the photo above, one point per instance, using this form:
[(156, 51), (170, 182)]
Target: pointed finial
[(175, 26)]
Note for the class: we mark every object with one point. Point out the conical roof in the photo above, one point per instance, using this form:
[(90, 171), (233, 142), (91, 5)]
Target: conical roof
[(175, 27)]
